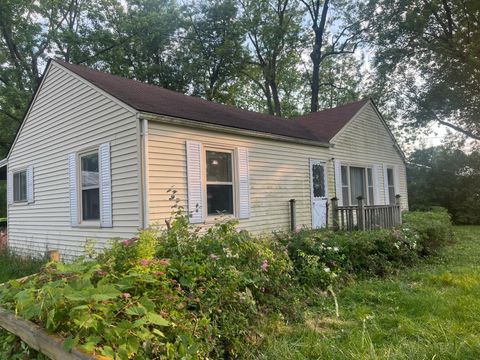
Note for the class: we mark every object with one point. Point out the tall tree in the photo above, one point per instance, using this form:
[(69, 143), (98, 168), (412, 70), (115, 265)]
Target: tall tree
[(215, 45), (335, 32), (274, 36), (428, 54)]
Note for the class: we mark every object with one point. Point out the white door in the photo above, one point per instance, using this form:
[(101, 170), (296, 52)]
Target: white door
[(318, 181)]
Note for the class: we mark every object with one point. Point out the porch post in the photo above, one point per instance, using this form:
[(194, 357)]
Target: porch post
[(334, 201), (361, 214), (398, 208)]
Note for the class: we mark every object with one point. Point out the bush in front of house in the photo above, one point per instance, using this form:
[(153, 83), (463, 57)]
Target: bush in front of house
[(321, 258), (186, 293)]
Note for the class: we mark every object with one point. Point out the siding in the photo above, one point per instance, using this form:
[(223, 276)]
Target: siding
[(279, 171), (366, 141), (69, 115)]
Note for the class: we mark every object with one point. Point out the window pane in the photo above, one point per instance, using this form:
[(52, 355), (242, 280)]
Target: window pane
[(318, 179), (90, 170), (219, 199), (90, 204), (391, 194), (370, 195), (357, 181), (369, 177), (390, 177), (20, 186), (346, 200), (344, 175), (219, 166)]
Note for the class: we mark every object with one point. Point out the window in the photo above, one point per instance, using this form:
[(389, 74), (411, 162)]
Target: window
[(357, 181), (391, 186), (90, 187), (219, 182), (20, 186)]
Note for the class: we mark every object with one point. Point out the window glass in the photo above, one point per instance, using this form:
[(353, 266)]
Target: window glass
[(219, 166), (370, 186), (219, 199), (344, 175), (219, 182), (357, 181), (391, 186), (345, 192), (318, 178), (20, 186), (90, 187)]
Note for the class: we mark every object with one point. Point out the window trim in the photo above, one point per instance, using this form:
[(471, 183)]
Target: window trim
[(210, 218), (81, 222), (18, 171), (366, 168)]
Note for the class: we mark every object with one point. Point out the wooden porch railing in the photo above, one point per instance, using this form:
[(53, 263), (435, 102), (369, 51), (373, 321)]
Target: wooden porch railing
[(363, 217)]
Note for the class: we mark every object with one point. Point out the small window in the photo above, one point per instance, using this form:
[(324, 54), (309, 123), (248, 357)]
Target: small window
[(20, 186), (219, 182), (391, 186), (90, 187), (357, 181)]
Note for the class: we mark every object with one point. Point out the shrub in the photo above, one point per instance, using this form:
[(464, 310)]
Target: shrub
[(434, 228), (174, 294)]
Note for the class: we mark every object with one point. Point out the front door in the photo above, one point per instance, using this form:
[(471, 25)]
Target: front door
[(318, 180)]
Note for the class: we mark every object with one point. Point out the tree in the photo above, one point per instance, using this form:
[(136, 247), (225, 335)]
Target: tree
[(345, 37), (442, 176), (428, 55), (215, 45), (274, 36)]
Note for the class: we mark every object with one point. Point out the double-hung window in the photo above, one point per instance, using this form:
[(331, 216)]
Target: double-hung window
[(20, 186), (219, 181), (391, 185), (356, 181), (90, 186)]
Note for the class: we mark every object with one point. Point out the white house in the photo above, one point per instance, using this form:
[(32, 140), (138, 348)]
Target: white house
[(96, 155)]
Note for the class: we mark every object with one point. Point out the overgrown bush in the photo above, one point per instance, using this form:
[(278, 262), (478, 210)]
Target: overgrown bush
[(166, 294), (190, 293), (434, 228)]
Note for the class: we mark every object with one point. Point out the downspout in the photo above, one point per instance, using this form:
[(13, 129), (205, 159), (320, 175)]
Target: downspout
[(144, 165)]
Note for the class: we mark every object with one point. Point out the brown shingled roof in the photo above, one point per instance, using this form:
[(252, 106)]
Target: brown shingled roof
[(320, 127), (328, 123)]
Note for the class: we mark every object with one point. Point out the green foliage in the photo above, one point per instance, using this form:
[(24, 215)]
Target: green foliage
[(441, 176), (425, 312), (13, 266), (186, 293)]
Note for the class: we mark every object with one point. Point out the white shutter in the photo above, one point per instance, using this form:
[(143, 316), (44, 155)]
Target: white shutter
[(30, 190), (194, 181), (105, 186), (73, 188), (376, 184), (338, 181), (10, 188), (385, 185), (243, 183), (396, 179)]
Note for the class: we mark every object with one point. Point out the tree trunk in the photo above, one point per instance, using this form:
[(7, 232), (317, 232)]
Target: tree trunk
[(276, 100)]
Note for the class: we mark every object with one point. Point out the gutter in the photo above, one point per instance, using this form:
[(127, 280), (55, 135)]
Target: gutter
[(227, 129)]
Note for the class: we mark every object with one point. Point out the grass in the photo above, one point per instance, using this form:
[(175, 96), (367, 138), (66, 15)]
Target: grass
[(428, 312), (13, 266)]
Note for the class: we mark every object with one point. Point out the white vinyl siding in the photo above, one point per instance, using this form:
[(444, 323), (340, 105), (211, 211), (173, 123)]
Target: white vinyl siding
[(67, 116), (366, 142)]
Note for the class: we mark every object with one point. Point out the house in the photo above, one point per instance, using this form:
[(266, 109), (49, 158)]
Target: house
[(96, 155)]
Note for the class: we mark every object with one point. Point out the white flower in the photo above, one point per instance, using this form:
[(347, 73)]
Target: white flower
[(336, 249), (326, 269)]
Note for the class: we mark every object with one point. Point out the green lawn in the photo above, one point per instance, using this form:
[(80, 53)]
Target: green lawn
[(431, 311)]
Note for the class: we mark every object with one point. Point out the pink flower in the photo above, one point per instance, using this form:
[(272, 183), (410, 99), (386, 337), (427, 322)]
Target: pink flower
[(159, 273), (264, 265), (214, 257), (126, 295), (144, 262), (164, 262)]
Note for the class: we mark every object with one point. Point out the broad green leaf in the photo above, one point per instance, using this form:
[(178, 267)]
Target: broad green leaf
[(155, 319)]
